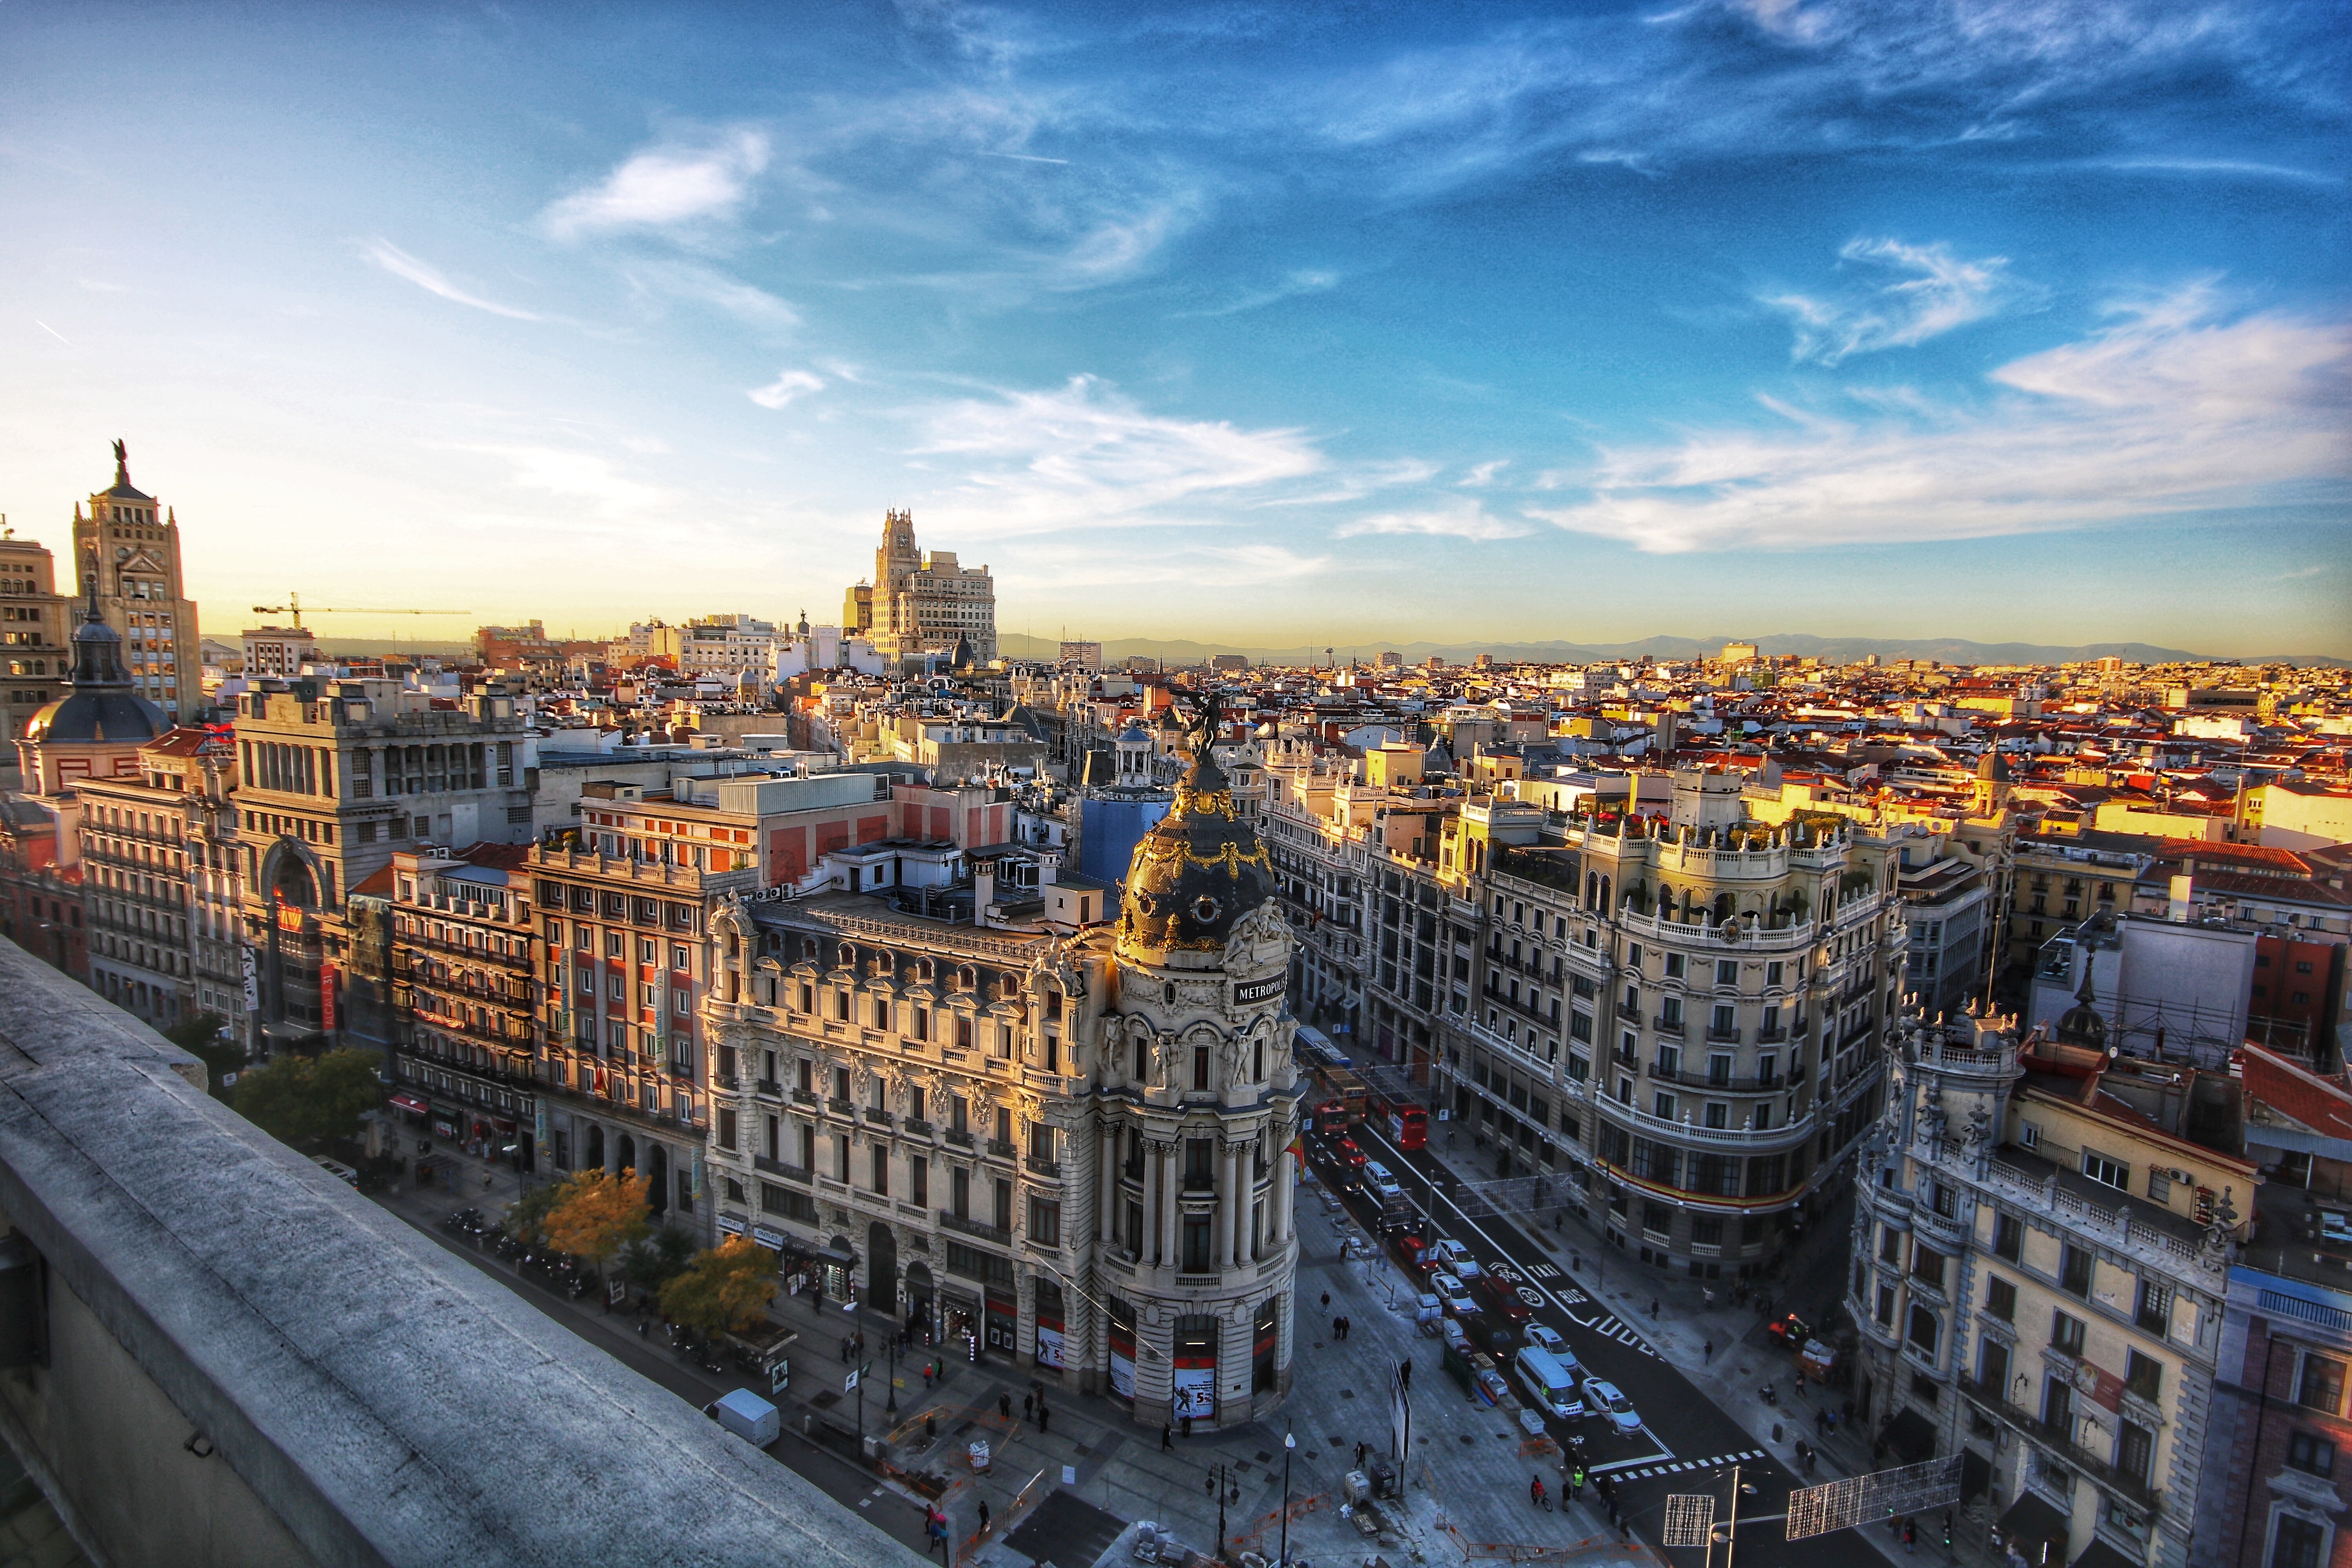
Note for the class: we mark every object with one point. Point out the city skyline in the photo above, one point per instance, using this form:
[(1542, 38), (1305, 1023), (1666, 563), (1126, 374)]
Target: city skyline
[(1207, 324)]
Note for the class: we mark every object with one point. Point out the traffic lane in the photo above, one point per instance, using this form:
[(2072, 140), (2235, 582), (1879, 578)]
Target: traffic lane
[(1679, 1414), (847, 1485)]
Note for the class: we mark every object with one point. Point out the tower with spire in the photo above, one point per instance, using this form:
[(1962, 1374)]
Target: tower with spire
[(95, 729), (130, 544)]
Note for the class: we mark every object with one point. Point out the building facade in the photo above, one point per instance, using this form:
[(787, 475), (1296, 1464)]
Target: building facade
[(1067, 1146), (464, 1056), (922, 603), (2039, 1275), (35, 619), (147, 845), (131, 543)]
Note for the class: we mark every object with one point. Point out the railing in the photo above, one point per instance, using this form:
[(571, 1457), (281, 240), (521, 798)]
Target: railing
[(961, 1140), (800, 1173), (768, 1087), (875, 1116), (1667, 1025), (916, 1126), (1765, 1140), (2058, 1438), (841, 1108), (2034, 1190), (1000, 1236), (803, 1097), (1001, 1149), (1726, 1085), (1038, 1166)]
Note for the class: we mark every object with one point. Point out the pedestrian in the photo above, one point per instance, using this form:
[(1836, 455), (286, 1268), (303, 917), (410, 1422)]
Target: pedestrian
[(1709, 1294), (1327, 1300), (1846, 1410), (1004, 1406), (1653, 1306), (1028, 1404), (1344, 1326), (1335, 1329), (1404, 1372), (1044, 1417), (1820, 1423), (1707, 1350), (1360, 1455), (1801, 1383), (1910, 1538), (926, 1377), (1188, 1428), (1167, 1438), (984, 1516)]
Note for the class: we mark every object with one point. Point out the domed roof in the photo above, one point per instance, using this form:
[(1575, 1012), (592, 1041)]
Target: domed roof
[(2081, 1024), (1199, 870), (1993, 768), (102, 706)]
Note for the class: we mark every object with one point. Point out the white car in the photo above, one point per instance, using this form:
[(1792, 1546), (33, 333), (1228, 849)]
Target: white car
[(1455, 1258), (1450, 1292), (1601, 1398), (1377, 1177), (1545, 1338)]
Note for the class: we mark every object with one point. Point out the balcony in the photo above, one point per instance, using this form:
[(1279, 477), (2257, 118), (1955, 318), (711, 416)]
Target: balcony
[(875, 1116), (1668, 1025), (1722, 1037), (2058, 1438), (915, 1127), (1001, 1149), (1000, 1235), (841, 1107), (770, 1088), (1039, 1166), (778, 1168), (803, 1097), (961, 1140)]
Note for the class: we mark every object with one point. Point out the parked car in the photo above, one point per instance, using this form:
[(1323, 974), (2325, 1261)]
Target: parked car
[(1493, 1293), (1377, 1176), (1600, 1397), (1546, 1338)]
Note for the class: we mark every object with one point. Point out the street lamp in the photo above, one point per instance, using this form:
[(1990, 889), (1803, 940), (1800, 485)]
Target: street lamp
[(1289, 1444), (1227, 1489), (891, 1406)]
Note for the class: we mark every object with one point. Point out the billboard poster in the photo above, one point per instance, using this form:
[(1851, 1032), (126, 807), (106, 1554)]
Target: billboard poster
[(1049, 1344), (1196, 1390), (326, 996)]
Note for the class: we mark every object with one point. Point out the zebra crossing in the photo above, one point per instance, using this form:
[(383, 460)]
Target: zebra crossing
[(1719, 1462)]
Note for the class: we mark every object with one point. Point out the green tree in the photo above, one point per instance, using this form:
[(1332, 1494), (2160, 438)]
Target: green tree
[(727, 1289), (311, 1099), (595, 1215), (199, 1037), (526, 1217), (658, 1258)]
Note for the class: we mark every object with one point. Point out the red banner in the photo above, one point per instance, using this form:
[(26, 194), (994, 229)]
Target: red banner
[(327, 996)]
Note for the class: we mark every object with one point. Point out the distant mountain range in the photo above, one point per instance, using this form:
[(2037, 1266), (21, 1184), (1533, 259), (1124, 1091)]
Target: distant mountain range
[(1943, 650)]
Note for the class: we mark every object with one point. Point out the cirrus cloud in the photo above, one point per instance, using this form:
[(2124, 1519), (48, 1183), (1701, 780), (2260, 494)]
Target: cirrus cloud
[(788, 385), (664, 187), (1460, 518), (1933, 292)]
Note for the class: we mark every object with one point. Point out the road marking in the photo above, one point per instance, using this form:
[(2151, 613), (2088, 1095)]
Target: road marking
[(1651, 1467), (1544, 1271)]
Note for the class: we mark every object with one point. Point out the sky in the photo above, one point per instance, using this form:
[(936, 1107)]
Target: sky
[(1276, 324)]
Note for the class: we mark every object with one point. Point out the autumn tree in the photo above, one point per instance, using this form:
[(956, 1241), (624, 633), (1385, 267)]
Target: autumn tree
[(727, 1289), (311, 1099), (595, 1215)]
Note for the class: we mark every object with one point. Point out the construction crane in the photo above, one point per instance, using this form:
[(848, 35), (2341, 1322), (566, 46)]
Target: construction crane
[(293, 606)]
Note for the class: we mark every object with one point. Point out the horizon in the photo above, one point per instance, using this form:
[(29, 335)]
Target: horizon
[(1245, 328)]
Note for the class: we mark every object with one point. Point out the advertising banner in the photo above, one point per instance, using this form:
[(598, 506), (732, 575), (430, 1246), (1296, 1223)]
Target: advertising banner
[(1196, 1391)]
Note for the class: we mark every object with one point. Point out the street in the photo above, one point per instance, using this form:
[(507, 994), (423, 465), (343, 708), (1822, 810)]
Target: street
[(1685, 1444)]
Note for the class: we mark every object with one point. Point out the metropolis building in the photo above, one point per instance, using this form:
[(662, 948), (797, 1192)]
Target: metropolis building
[(1065, 1146)]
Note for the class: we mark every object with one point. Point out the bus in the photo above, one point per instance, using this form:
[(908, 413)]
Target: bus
[(1407, 1124), (1343, 1098)]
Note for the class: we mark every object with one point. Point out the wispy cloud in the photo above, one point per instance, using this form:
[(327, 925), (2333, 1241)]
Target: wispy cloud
[(1459, 517), (578, 477), (744, 301), (788, 385), (1483, 474), (1081, 456), (664, 186), (1300, 280), (433, 280), (1931, 292), (2174, 408)]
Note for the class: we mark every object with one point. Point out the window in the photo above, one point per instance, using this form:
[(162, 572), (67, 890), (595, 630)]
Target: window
[(2144, 1375), (1727, 972), (960, 1192), (919, 1180), (1044, 1223), (2297, 1543), (1926, 1329), (2310, 1453), (1885, 1313), (1200, 1066), (1772, 974), (2065, 1334), (881, 1169), (727, 1130), (2007, 1237), (1674, 966), (2074, 1272), (2108, 1172), (1890, 1244), (2029, 1136), (2322, 1386), (2000, 1299), (2155, 1310), (1928, 1266), (2135, 1447), (1196, 1243)]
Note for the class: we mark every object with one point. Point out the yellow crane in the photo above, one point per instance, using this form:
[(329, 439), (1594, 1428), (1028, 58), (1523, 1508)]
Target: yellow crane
[(293, 606)]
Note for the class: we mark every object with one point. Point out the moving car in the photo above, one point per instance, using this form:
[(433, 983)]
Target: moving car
[(1455, 1258), (1551, 1388), (1546, 1338), (1377, 1176), (1450, 1293), (1493, 1293), (1600, 1397)]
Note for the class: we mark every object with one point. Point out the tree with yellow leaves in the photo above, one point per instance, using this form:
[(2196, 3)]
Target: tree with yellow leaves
[(595, 1215), (726, 1290)]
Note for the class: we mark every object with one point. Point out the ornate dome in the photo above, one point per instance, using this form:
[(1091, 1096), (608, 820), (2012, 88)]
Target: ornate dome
[(1993, 768), (2081, 1024), (102, 707), (1199, 870)]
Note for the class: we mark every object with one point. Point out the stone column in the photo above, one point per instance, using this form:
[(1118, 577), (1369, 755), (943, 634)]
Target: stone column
[(1226, 1206), (1278, 1223), (1171, 1208), (1106, 1181), (1153, 1191)]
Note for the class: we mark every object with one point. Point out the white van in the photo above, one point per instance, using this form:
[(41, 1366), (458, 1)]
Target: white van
[(1377, 1177), (1548, 1384)]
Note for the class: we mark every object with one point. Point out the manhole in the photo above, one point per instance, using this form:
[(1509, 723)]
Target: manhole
[(1263, 1456), (1313, 1455), (1467, 1439), (1337, 1442), (825, 1401), (1347, 1394)]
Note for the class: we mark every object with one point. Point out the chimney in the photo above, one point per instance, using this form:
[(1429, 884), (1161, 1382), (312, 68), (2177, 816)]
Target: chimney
[(984, 890), (2182, 887)]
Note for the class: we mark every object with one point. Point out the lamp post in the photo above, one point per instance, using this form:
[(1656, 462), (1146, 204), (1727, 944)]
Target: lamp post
[(1221, 1482), (891, 1406), (1289, 1444)]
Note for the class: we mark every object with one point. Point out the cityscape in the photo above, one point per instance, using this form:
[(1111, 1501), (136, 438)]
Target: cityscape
[(1406, 917)]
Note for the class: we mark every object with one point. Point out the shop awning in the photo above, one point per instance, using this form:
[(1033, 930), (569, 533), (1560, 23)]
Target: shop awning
[(2102, 1555), (1909, 1437), (410, 1102), (2031, 1522)]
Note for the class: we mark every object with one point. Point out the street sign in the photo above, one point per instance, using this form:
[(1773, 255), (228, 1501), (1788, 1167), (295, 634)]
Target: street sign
[(1689, 1517), (1880, 1495), (849, 1383)]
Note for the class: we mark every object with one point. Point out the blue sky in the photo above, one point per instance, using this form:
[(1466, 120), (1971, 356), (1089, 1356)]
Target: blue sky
[(1344, 323)]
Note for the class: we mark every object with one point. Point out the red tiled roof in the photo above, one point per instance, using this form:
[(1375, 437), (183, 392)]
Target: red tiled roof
[(2320, 1104)]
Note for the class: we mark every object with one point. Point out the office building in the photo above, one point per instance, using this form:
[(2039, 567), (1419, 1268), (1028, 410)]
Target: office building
[(131, 543), (35, 622)]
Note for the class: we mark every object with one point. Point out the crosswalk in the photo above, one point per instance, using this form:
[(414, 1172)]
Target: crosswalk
[(1716, 1463)]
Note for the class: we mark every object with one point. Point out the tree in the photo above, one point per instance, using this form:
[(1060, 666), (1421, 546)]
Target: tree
[(727, 1289), (306, 1099), (657, 1260), (201, 1037), (527, 1216), (595, 1215)]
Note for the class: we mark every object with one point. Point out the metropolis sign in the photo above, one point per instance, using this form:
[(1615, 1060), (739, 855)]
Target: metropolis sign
[(1258, 990)]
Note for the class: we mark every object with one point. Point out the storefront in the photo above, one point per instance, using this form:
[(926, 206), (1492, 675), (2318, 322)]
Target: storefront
[(1194, 1396), (960, 1319), (1263, 1334), (1003, 1325), (1122, 1349), (1049, 1352)]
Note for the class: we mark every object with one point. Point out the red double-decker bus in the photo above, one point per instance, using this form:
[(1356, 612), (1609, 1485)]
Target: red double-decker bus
[(1406, 1124)]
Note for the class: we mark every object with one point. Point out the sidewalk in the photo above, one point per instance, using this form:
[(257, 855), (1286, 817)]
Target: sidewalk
[(1744, 1356)]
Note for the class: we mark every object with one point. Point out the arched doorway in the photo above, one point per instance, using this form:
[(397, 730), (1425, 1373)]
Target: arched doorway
[(657, 1179), (881, 1267), (591, 1156), (919, 1297), (628, 1153)]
